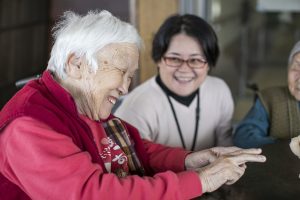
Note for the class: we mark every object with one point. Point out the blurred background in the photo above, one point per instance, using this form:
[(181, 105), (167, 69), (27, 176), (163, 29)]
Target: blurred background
[(255, 37)]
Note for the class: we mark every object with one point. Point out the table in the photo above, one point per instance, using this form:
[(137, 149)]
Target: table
[(276, 179)]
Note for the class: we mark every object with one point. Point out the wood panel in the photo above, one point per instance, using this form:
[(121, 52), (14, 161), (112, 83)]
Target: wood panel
[(23, 42), (149, 16)]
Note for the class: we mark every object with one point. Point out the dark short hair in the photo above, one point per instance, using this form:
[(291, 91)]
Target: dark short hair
[(192, 26)]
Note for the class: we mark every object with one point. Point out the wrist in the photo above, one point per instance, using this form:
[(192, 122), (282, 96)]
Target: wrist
[(203, 180)]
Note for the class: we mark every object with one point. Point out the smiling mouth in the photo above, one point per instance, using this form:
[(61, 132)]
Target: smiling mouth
[(112, 100), (183, 79), (297, 86)]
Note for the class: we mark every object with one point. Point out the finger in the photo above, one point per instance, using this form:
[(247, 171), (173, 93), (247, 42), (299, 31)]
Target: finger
[(243, 158), (246, 151), (252, 151), (225, 150)]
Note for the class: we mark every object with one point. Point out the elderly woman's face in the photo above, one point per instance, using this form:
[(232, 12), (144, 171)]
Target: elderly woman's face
[(183, 80), (294, 77), (100, 91)]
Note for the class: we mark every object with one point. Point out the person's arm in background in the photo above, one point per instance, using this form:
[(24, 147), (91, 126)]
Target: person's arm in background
[(224, 128), (253, 130)]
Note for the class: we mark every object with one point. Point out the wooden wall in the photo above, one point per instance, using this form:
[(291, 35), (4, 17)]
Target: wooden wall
[(23, 41), (149, 16)]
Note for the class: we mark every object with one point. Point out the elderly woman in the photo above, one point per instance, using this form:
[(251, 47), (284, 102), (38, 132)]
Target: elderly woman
[(58, 139), (182, 106), (276, 111)]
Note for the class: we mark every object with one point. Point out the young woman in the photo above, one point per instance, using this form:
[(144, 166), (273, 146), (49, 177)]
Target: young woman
[(182, 106)]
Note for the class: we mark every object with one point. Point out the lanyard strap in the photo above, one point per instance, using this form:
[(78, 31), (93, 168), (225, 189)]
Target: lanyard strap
[(196, 122)]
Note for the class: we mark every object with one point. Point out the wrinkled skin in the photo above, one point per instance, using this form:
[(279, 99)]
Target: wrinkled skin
[(221, 165), (294, 77), (95, 92)]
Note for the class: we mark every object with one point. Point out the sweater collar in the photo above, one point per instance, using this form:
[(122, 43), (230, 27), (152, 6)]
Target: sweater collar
[(62, 96), (185, 100)]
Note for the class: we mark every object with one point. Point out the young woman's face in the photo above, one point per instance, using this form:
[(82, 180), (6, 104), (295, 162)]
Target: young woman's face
[(294, 77), (117, 65), (183, 79)]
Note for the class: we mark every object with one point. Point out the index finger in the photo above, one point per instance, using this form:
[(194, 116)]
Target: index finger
[(243, 158), (254, 151)]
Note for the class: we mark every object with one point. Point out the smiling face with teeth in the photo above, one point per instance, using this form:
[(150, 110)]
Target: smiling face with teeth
[(95, 92), (294, 77), (183, 80)]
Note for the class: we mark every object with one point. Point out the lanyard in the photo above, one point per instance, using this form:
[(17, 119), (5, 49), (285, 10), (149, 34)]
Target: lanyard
[(196, 122)]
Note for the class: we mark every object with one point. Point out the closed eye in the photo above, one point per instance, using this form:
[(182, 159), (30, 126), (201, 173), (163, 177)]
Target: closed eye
[(120, 70), (174, 59), (296, 66), (196, 61)]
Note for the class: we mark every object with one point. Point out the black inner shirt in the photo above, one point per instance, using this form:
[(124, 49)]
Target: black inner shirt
[(185, 100)]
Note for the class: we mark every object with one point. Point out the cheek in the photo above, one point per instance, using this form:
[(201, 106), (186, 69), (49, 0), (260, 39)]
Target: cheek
[(202, 75), (88, 88), (291, 78), (115, 81), (166, 74), (109, 81), (99, 90)]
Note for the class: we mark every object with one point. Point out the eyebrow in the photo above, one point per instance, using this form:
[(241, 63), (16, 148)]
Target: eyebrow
[(193, 54), (126, 69)]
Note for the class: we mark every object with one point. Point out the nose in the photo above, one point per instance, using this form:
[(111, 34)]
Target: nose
[(184, 67), (123, 89)]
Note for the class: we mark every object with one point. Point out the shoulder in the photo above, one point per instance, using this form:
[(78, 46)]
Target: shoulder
[(215, 91), (271, 93), (273, 97), (273, 90), (26, 128), (214, 85), (215, 82)]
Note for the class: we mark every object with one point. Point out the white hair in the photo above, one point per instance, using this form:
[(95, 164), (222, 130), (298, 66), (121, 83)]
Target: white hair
[(85, 36)]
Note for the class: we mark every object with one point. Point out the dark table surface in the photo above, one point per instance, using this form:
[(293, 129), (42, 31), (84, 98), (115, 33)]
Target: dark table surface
[(276, 179)]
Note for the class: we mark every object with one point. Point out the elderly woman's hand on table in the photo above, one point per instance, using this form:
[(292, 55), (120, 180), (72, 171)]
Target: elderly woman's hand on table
[(224, 165), (202, 158)]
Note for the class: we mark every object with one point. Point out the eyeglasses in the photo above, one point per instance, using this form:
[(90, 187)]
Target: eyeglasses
[(194, 63)]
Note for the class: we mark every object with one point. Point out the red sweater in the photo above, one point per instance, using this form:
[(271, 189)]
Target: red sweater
[(42, 118)]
